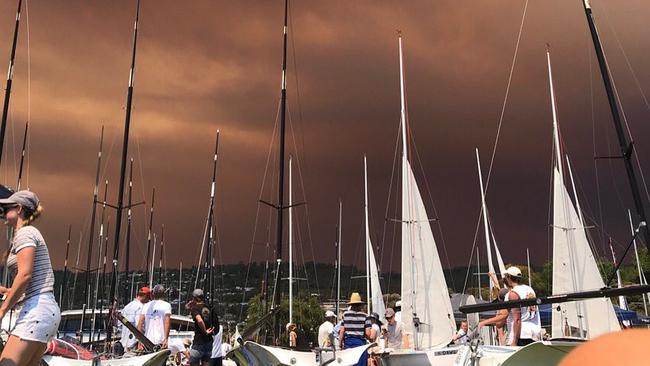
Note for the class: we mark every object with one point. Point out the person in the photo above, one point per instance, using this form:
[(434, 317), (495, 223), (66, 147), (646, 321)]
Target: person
[(293, 336), (398, 311), (326, 329), (218, 349), (132, 313), (155, 318), (372, 334), (375, 327), (31, 293), (395, 338), (201, 351), (499, 320), (355, 327), (461, 336), (187, 346), (336, 331), (524, 324)]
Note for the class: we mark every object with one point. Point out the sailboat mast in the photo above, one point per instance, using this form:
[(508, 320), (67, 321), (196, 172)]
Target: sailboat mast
[(485, 223), (162, 246), (127, 251), (283, 111), (627, 147), (290, 241), (530, 276), (180, 286), (93, 215), (638, 266), (10, 77), (149, 274), (558, 156), (22, 157), (125, 148), (64, 283), (338, 259), (478, 273), (367, 232), (621, 298), (153, 261), (556, 134), (211, 241)]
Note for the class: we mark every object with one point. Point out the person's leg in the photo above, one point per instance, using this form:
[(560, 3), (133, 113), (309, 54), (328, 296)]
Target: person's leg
[(18, 352), (195, 356), (38, 355)]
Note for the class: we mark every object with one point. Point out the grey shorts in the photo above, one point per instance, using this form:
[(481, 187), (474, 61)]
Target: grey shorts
[(200, 353)]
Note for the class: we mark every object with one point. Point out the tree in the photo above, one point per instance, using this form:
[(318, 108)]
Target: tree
[(307, 315)]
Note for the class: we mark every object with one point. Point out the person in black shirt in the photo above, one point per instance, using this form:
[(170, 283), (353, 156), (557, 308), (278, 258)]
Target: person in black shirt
[(202, 343)]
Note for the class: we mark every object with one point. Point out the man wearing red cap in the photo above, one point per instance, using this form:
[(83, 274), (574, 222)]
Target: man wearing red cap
[(131, 312)]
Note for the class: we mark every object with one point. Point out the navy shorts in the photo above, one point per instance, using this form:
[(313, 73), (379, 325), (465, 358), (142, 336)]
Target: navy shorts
[(200, 353)]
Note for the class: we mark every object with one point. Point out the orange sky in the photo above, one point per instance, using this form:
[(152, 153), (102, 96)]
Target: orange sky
[(207, 65)]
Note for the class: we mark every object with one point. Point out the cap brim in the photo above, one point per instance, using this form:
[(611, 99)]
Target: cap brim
[(7, 201), (5, 192)]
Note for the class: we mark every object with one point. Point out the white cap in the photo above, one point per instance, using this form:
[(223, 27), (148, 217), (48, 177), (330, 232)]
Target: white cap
[(330, 314), (398, 303), (513, 272)]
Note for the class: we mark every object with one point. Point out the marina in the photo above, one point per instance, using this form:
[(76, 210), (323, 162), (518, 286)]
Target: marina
[(294, 183)]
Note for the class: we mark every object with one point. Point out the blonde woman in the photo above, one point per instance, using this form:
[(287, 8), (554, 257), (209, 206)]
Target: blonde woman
[(31, 292)]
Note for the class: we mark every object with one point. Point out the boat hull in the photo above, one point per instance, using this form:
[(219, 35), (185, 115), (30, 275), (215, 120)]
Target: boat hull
[(153, 359), (254, 354)]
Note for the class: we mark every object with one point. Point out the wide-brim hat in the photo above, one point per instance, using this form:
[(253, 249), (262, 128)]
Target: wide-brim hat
[(355, 298)]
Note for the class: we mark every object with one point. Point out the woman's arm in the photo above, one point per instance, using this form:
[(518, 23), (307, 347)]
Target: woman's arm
[(201, 324), (495, 319), (25, 263)]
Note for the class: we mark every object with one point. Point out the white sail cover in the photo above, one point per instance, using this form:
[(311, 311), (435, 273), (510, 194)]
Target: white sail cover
[(424, 290), (376, 297), (575, 269)]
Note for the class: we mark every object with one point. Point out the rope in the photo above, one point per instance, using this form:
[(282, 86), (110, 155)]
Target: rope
[(257, 213), (618, 98), (302, 185), (505, 98), (390, 191), (29, 91)]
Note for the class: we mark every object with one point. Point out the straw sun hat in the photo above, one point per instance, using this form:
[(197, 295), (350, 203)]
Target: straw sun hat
[(355, 298)]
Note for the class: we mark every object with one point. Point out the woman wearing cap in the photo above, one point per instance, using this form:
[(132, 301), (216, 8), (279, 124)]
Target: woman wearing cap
[(31, 292)]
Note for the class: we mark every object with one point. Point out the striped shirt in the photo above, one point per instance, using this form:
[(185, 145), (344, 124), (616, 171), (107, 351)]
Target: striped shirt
[(42, 275), (355, 323)]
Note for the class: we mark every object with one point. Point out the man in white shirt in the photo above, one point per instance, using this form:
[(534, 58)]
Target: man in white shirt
[(396, 338), (155, 318), (132, 313), (326, 330), (524, 324), (461, 337)]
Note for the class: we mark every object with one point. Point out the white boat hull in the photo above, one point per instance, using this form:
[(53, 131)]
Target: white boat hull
[(153, 359), (254, 354)]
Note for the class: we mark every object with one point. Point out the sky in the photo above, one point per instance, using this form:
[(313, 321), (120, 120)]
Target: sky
[(208, 65)]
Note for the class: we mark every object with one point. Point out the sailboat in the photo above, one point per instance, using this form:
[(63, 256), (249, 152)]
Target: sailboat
[(156, 357), (252, 353), (427, 313), (373, 287), (574, 264)]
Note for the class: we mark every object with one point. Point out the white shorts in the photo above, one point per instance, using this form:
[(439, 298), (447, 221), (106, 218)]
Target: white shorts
[(38, 318)]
